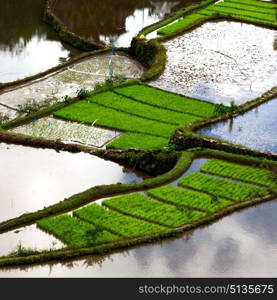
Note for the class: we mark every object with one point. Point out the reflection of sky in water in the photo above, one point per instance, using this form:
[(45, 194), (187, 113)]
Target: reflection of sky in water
[(256, 129), (33, 178), (36, 56), (241, 245), (221, 62), (29, 237)]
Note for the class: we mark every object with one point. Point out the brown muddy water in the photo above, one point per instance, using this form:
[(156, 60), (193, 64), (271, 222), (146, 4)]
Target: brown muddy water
[(221, 62), (256, 129), (27, 45), (35, 178), (113, 22)]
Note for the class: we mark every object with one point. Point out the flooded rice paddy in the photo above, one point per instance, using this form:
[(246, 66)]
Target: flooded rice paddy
[(238, 245), (82, 75), (27, 45), (29, 237), (36, 178), (256, 129), (113, 22), (68, 132), (221, 62)]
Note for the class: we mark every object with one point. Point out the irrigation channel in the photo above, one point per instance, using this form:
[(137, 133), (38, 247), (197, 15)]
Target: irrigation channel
[(223, 62)]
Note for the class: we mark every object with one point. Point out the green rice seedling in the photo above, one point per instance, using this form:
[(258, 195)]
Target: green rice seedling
[(140, 206), (239, 172), (75, 232), (188, 198), (117, 223), (234, 12), (183, 23), (246, 8), (110, 118), (168, 100), (222, 188), (127, 105), (136, 140)]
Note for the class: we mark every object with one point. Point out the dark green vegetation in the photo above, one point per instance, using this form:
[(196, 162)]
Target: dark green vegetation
[(150, 116), (75, 232), (188, 198), (253, 11), (115, 222), (143, 207), (239, 172), (222, 188)]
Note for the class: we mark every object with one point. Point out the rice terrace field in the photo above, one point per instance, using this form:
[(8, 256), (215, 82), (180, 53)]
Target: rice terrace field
[(145, 146)]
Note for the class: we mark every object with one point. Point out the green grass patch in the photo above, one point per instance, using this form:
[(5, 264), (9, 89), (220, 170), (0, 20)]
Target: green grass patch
[(110, 118), (130, 106), (135, 140), (168, 100), (183, 23), (189, 198), (125, 226), (222, 187), (143, 207), (75, 232), (240, 172)]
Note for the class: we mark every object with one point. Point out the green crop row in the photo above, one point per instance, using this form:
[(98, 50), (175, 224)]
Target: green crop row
[(255, 3), (188, 198), (168, 100), (134, 140), (143, 207), (110, 118), (246, 8), (120, 224), (75, 232), (127, 105), (181, 23), (226, 11), (239, 172), (221, 187)]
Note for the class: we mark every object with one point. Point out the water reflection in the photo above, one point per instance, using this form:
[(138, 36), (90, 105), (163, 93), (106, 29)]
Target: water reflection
[(221, 62), (241, 245), (27, 45), (113, 22), (34, 178), (256, 129)]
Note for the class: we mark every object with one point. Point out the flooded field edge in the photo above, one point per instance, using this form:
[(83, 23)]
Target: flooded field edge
[(206, 220)]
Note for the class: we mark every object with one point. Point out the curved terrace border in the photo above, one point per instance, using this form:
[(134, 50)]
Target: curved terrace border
[(97, 192), (153, 55)]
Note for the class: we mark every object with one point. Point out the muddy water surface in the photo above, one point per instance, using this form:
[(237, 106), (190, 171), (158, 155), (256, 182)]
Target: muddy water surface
[(221, 62), (34, 178), (27, 45)]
